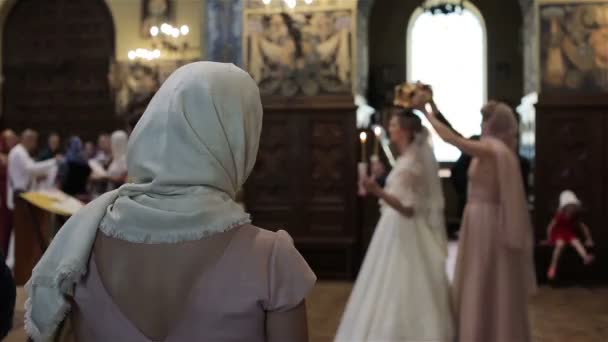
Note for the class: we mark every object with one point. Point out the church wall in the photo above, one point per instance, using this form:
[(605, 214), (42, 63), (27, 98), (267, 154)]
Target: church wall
[(387, 47), (127, 20)]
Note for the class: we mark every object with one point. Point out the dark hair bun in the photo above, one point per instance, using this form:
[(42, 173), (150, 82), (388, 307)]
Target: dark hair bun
[(409, 120)]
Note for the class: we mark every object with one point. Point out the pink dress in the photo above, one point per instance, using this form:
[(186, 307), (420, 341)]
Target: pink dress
[(260, 271), (494, 271)]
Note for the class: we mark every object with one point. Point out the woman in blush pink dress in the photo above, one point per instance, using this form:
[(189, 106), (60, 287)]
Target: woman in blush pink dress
[(170, 256), (494, 272)]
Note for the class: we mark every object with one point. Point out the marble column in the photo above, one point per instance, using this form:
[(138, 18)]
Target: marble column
[(224, 20), (530, 45), (360, 80)]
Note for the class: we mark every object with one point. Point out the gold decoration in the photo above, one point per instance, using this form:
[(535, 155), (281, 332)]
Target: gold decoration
[(404, 93)]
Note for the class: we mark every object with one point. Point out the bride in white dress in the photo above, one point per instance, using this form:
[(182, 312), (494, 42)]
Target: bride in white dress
[(402, 291)]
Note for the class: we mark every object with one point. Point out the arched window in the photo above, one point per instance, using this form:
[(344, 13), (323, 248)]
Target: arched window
[(449, 53)]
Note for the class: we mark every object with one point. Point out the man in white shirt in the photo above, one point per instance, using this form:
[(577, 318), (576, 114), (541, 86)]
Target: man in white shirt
[(23, 171), (104, 151)]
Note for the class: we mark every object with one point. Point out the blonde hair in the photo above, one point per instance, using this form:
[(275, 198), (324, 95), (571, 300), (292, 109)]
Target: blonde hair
[(500, 122), (488, 108)]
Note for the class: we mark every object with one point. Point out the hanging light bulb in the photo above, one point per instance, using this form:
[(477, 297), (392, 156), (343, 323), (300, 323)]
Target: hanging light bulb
[(175, 33), (166, 29), (132, 55), (154, 31), (290, 3), (184, 30)]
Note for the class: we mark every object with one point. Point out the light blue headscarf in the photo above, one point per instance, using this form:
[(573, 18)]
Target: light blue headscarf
[(192, 150)]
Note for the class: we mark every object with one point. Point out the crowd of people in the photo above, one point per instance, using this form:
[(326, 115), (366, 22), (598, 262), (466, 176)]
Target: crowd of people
[(177, 235), (82, 170)]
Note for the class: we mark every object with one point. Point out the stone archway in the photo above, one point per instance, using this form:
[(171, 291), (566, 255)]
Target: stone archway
[(55, 60)]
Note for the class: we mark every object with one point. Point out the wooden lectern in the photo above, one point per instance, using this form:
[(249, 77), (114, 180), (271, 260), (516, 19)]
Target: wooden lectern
[(36, 217)]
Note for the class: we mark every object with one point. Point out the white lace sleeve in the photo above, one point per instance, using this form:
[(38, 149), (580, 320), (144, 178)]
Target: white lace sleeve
[(403, 183)]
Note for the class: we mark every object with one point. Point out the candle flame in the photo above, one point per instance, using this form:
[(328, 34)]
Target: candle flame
[(378, 131), (363, 136)]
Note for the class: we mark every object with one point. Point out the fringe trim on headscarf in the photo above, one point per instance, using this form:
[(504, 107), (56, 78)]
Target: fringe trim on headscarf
[(148, 238), (64, 282), (32, 331)]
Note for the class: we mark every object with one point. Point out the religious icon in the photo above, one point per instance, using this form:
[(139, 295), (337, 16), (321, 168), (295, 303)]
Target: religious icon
[(134, 85), (155, 13), (574, 46), (301, 52)]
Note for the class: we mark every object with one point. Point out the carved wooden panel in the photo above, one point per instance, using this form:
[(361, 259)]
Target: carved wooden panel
[(270, 181), (305, 181), (571, 154), (56, 56), (331, 189), (268, 188), (327, 158)]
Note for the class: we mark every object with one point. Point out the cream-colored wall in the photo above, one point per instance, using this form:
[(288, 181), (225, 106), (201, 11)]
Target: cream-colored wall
[(127, 21)]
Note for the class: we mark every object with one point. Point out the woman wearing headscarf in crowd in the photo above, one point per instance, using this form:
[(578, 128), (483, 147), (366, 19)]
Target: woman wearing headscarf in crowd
[(75, 171), (494, 273), (117, 171), (170, 255)]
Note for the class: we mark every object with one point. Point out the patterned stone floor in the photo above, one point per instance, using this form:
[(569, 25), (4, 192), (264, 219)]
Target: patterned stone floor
[(559, 315)]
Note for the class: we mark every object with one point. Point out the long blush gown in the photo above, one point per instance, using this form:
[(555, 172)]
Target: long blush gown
[(494, 271)]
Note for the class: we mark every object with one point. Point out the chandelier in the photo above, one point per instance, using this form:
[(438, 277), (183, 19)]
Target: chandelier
[(166, 38), (443, 6), (291, 4)]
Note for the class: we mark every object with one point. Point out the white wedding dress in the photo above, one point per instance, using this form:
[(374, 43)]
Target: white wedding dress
[(402, 292)]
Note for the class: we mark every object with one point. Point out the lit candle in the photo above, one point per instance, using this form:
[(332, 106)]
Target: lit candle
[(378, 133), (429, 109), (363, 138)]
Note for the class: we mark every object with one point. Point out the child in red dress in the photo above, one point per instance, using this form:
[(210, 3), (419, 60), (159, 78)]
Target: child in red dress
[(562, 231)]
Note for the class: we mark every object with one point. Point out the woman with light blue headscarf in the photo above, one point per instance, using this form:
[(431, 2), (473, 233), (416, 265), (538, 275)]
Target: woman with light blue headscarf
[(170, 255)]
